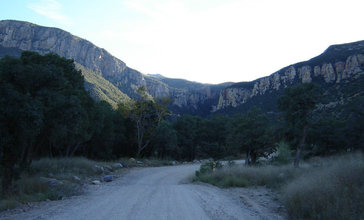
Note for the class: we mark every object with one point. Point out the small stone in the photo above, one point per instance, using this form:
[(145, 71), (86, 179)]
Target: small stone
[(51, 181), (76, 178), (117, 165), (107, 167), (96, 182)]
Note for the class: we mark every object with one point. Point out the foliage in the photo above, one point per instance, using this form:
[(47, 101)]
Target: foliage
[(46, 108), (164, 140)]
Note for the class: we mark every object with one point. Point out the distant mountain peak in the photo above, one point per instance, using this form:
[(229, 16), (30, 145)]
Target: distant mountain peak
[(156, 75)]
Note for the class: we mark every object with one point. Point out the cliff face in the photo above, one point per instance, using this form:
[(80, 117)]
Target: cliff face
[(326, 69), (26, 36)]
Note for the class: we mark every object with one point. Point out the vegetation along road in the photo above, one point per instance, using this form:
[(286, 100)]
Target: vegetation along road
[(151, 193)]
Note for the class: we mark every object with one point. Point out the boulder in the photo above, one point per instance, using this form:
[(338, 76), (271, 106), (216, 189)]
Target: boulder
[(108, 178)]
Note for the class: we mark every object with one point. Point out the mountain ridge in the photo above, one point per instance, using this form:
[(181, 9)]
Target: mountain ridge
[(338, 63)]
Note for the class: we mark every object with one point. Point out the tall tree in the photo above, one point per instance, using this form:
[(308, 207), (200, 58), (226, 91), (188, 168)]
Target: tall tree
[(250, 134), (297, 104)]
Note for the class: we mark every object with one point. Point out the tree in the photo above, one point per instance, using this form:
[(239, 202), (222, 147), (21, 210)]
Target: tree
[(164, 140), (250, 134), (297, 104), (20, 120), (187, 128), (147, 113), (44, 110)]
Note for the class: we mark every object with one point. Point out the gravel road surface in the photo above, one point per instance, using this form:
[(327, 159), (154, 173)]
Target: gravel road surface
[(151, 193)]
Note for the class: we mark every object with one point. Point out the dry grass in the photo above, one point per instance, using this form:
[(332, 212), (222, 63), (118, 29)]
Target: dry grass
[(271, 176), (323, 188), (334, 190)]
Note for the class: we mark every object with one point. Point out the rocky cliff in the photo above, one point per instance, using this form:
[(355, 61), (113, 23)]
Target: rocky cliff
[(27, 36), (338, 64)]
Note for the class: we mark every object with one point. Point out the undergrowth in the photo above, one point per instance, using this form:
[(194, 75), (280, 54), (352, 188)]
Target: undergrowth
[(51, 179)]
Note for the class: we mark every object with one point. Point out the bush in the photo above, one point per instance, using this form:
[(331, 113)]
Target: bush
[(208, 167), (284, 153)]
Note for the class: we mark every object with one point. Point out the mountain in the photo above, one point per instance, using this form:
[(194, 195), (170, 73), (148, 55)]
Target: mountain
[(103, 69), (339, 70)]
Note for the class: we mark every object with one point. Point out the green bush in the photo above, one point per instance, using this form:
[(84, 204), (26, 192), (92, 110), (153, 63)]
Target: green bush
[(208, 167), (284, 153)]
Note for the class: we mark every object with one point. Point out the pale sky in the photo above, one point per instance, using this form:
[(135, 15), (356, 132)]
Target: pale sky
[(209, 41)]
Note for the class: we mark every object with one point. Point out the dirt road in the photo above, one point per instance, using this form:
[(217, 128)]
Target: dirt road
[(151, 193)]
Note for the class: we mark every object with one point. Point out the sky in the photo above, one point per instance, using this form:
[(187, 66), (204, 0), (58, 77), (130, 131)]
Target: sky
[(209, 41)]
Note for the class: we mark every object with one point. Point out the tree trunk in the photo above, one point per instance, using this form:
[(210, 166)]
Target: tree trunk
[(248, 159), (8, 162), (300, 146), (253, 157), (26, 158), (8, 173)]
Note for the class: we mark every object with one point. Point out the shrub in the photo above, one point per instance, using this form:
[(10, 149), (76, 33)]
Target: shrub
[(208, 167), (284, 153)]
